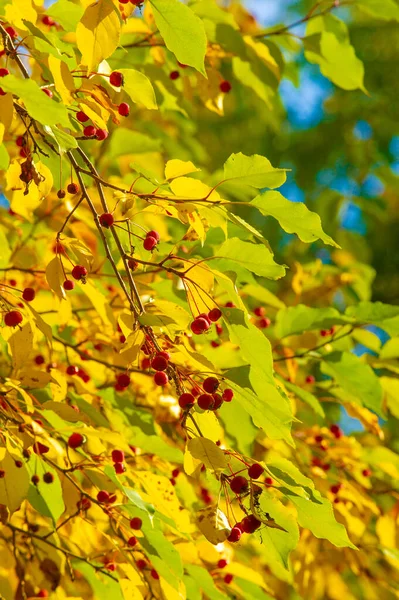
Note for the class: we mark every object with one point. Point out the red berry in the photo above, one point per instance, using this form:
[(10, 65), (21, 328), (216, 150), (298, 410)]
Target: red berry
[(136, 523), (76, 440), (42, 594), (260, 311), (214, 314), (119, 468), (11, 32), (60, 194), (255, 471), (239, 484), (217, 401), (72, 370), (13, 318), (324, 333), (116, 79), (159, 363), (336, 431), (2, 473), (154, 234), (228, 578), (4, 72), (149, 243), (39, 359), (48, 92), (334, 489), (250, 524), (186, 400), (318, 438), (101, 134), (268, 481), (39, 448), (175, 472), (141, 564), (3, 93), (20, 141), (199, 325), (111, 566), (160, 378), (106, 220), (132, 541), (228, 395), (46, 20), (118, 456), (81, 116), (48, 478), (210, 385), (225, 87), (264, 323), (124, 109), (205, 401), (154, 574), (35, 479), (103, 496), (174, 75), (68, 285), (132, 264), (72, 188), (235, 534), (24, 152), (310, 379), (84, 504), (222, 563), (89, 131), (366, 472), (79, 272), (123, 380)]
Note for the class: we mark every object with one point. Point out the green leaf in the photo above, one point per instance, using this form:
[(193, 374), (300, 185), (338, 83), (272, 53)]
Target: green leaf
[(103, 587), (182, 31), (244, 72), (254, 257), (125, 141), (390, 349), (294, 217), (320, 520), (306, 396), (254, 171), (5, 250), (278, 544), (139, 88), (4, 158), (46, 498), (383, 315), (64, 141), (204, 580), (66, 13), (164, 556), (300, 318), (39, 106), (386, 10), (355, 377)]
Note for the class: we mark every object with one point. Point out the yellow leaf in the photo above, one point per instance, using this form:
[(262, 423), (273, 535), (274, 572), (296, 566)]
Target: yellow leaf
[(196, 223), (98, 32), (95, 112), (213, 524), (41, 323), (198, 284), (208, 453), (33, 378), (58, 385), (14, 486), (64, 82), (99, 302), (55, 277), (19, 10), (27, 399), (386, 530), (130, 590), (264, 54), (131, 348), (20, 343), (193, 188), (6, 114), (177, 168)]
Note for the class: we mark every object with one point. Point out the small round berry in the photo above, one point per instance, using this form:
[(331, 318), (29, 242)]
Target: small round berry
[(366, 473), (228, 578), (11, 32), (119, 468), (89, 131), (79, 272), (48, 477), (225, 87), (132, 264), (28, 294), (174, 75), (264, 323), (101, 134), (110, 566), (228, 395), (260, 311), (39, 448), (123, 380), (250, 524), (42, 593), (159, 363), (222, 563), (141, 564), (215, 314), (230, 304), (61, 194), (72, 188), (20, 141), (136, 523), (103, 496), (336, 431), (4, 72), (13, 318), (116, 79), (235, 534), (76, 440), (336, 488), (160, 378), (205, 401), (72, 370), (310, 379), (186, 400), (106, 220), (118, 456), (35, 479), (48, 92), (324, 332), (154, 234), (81, 116), (2, 473), (154, 574), (68, 285), (3, 93), (175, 473), (199, 325), (239, 484), (255, 471), (132, 541), (84, 504), (124, 109), (19, 464), (39, 359), (217, 401), (47, 20), (210, 385), (268, 481), (149, 243)]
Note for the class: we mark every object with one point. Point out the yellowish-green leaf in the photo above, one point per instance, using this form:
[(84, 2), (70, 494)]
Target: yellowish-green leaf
[(208, 453), (254, 171), (98, 32), (55, 277), (178, 168), (14, 486), (20, 341), (235, 253), (139, 88), (63, 80), (19, 10), (213, 524)]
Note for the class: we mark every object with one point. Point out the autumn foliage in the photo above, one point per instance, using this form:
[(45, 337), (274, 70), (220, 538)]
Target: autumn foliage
[(181, 345)]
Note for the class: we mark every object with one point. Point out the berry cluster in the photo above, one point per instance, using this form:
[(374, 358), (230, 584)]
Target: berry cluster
[(151, 240), (207, 398), (202, 323)]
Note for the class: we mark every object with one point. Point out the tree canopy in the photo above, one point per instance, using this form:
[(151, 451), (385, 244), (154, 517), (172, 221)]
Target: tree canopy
[(199, 393)]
